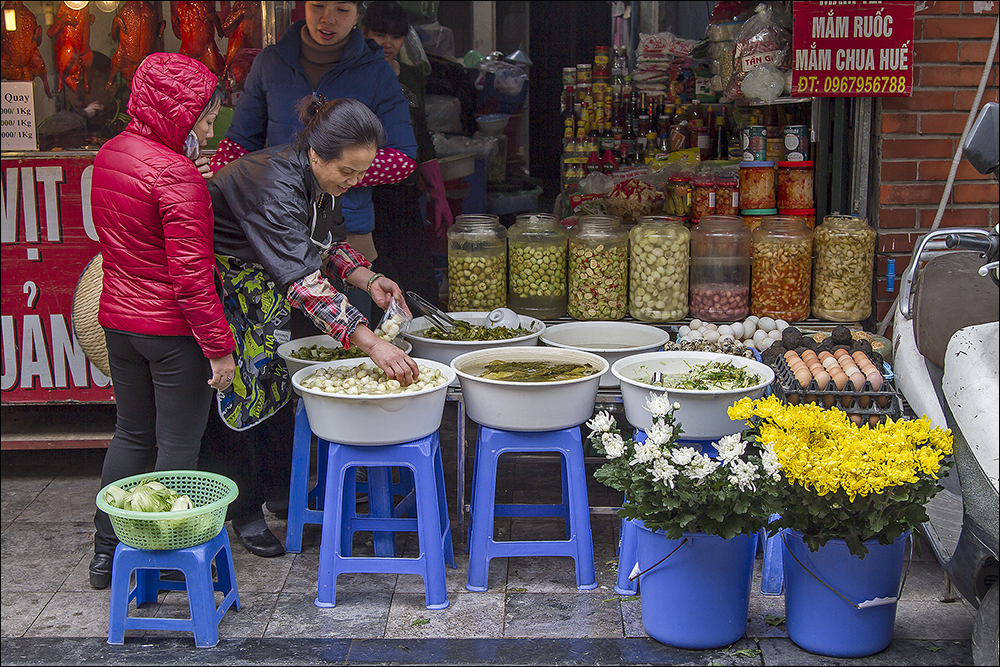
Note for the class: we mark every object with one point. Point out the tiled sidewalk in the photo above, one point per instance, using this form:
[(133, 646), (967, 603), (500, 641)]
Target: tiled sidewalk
[(531, 614)]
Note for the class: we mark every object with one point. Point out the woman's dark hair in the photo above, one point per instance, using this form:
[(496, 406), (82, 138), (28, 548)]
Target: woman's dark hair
[(387, 17), (332, 126), (216, 100)]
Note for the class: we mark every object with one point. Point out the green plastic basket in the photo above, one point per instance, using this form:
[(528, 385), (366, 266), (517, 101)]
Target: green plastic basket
[(157, 531)]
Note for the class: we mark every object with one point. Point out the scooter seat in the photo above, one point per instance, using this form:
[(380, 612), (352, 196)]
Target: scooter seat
[(950, 295)]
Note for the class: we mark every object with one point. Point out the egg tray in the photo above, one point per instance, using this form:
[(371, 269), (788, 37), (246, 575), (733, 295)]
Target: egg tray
[(787, 388)]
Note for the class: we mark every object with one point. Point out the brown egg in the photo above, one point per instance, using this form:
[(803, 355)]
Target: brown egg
[(875, 378), (839, 353), (861, 359), (839, 380), (824, 355), (796, 365), (790, 355), (828, 362), (873, 421), (809, 354), (858, 380), (815, 367), (857, 419), (803, 376), (850, 368), (822, 379)]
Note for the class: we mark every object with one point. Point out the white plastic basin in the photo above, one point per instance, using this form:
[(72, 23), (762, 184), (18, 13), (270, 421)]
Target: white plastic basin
[(702, 414), (446, 350), (611, 340), (373, 420), (528, 406), (294, 365)]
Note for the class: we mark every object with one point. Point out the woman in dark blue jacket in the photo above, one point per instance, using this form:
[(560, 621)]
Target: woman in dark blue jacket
[(325, 54)]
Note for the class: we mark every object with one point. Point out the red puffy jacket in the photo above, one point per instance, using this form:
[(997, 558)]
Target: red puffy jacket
[(153, 213)]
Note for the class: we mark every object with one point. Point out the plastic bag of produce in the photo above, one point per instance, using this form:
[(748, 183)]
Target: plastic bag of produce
[(764, 40)]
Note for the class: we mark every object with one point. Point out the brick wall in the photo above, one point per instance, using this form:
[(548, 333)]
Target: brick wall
[(920, 134)]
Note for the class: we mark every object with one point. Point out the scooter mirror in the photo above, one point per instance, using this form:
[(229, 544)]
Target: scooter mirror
[(982, 146)]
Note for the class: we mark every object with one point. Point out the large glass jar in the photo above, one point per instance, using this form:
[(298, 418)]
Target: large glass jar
[(536, 249), (757, 185), (720, 268), (658, 269), (598, 269), (782, 269), (844, 248), (477, 263)]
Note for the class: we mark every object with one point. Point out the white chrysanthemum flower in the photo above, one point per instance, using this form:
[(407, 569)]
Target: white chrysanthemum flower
[(769, 460), (731, 447), (683, 455), (675, 406), (743, 474), (701, 466), (601, 422), (659, 434), (614, 446), (647, 452), (662, 471), (657, 404)]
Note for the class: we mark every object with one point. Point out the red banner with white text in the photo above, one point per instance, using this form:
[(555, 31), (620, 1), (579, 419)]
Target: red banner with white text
[(46, 239), (852, 49)]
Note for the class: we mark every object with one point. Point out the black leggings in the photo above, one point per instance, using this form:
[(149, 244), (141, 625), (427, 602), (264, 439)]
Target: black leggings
[(162, 398)]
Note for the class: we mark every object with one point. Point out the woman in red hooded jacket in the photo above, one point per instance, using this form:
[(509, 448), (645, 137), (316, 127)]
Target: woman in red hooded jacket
[(169, 345)]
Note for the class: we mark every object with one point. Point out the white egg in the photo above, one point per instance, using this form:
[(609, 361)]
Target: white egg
[(725, 330), (781, 324), (750, 345), (759, 335), (774, 334), (766, 323), (749, 327), (711, 336), (696, 323), (738, 330), (765, 343), (683, 330), (684, 339), (710, 326), (694, 334), (751, 318)]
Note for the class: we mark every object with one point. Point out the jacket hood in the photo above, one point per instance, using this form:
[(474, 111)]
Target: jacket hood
[(357, 51), (169, 92)]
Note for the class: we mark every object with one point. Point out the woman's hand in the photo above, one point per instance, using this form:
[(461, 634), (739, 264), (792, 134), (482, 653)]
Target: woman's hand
[(203, 167), (396, 363), (223, 372), (383, 291)]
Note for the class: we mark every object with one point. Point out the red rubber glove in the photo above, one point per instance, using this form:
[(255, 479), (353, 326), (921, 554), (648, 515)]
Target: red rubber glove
[(438, 210)]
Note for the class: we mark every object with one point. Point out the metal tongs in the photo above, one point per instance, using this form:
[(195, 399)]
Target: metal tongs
[(435, 315)]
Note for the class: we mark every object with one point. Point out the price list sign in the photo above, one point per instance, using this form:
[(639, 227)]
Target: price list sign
[(852, 49)]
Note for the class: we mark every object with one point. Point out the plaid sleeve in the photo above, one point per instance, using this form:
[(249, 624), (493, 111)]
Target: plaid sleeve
[(390, 166), (344, 259), (328, 309)]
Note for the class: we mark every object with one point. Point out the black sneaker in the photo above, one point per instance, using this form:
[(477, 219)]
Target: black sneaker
[(100, 571)]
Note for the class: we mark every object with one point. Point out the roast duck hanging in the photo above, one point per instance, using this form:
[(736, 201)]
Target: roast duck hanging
[(70, 35), (243, 25), (196, 24), (19, 47), (137, 28)]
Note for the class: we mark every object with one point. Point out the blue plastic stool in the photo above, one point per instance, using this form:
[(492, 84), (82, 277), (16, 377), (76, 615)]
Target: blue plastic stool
[(196, 564), (341, 520), (628, 555), (300, 495), (574, 508), (628, 552)]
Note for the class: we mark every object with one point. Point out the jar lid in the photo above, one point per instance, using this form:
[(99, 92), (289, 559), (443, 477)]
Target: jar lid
[(798, 164), (757, 163), (726, 180), (798, 211), (678, 177), (759, 211), (703, 180)]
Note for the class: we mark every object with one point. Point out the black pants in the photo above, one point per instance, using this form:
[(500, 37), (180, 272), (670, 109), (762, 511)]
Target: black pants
[(404, 251), (162, 400), (258, 459)]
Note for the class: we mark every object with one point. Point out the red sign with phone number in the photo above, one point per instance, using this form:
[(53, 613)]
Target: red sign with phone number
[(852, 49), (46, 239)]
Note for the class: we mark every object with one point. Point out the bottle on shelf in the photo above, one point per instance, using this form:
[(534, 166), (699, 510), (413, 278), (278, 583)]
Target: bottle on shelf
[(593, 165), (569, 112), (608, 163), (721, 147)]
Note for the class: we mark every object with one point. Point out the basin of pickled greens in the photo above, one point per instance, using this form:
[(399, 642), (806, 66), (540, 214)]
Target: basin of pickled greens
[(535, 371), (710, 376), (472, 332)]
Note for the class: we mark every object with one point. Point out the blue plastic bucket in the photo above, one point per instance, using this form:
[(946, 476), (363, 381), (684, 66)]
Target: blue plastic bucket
[(699, 597), (820, 620)]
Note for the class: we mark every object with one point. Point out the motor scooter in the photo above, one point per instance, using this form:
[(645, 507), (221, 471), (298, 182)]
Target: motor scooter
[(945, 356)]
